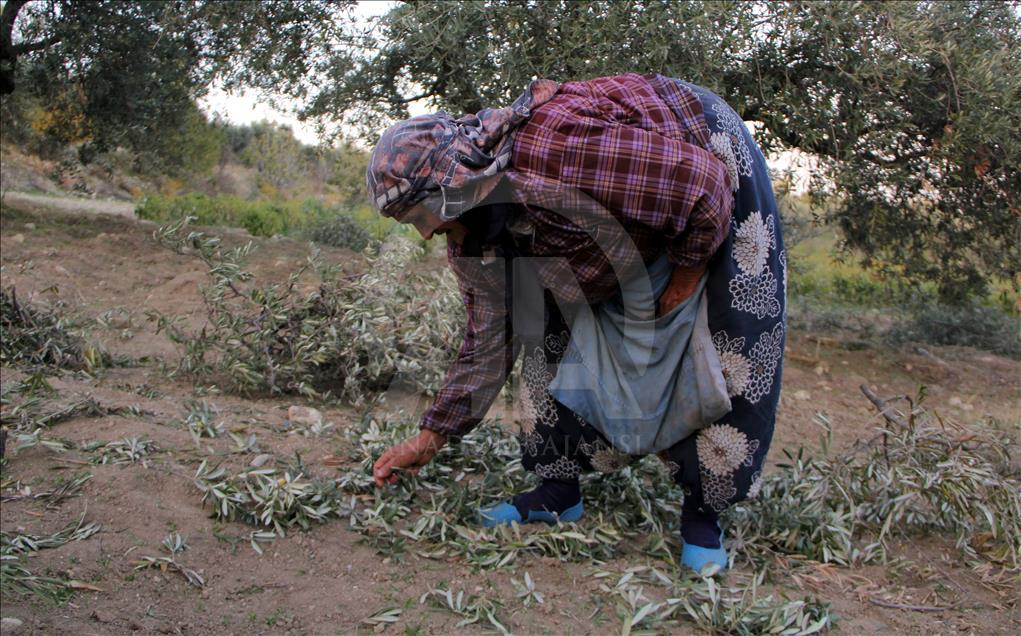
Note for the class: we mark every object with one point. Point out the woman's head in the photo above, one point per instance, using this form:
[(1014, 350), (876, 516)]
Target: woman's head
[(447, 165)]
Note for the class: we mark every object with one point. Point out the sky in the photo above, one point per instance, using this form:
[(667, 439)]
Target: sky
[(246, 107)]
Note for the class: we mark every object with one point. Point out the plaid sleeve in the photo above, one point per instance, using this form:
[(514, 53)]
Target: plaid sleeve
[(708, 221), (487, 352)]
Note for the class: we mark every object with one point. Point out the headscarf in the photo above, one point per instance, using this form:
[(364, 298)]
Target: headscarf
[(447, 164)]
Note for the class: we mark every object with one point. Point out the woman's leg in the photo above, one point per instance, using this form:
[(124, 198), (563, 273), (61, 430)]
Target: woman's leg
[(719, 466), (556, 444)]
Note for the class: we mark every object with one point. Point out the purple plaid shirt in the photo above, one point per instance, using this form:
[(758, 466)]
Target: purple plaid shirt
[(612, 172)]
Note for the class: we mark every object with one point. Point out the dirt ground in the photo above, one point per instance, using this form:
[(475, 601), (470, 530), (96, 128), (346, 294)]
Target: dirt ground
[(325, 581)]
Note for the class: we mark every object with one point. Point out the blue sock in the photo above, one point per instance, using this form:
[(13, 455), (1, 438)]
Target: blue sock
[(552, 495), (700, 528)]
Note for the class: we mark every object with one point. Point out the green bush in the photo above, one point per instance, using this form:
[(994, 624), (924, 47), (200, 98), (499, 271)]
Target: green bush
[(828, 294), (260, 218), (191, 149), (339, 231), (378, 226), (988, 328), (905, 318), (311, 219)]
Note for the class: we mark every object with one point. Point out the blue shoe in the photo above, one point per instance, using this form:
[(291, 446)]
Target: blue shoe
[(704, 561), (503, 514)]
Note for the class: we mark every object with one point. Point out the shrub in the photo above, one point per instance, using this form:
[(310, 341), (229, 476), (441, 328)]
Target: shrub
[(988, 328), (336, 226), (260, 218), (315, 214), (339, 231), (825, 295)]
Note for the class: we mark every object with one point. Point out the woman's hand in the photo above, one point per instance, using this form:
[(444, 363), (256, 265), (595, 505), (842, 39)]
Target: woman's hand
[(683, 282), (410, 455)]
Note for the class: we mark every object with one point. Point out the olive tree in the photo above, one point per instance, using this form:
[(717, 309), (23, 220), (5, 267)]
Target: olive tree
[(114, 73)]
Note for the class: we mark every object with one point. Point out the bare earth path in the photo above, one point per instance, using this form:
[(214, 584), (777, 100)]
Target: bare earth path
[(325, 580), (70, 205)]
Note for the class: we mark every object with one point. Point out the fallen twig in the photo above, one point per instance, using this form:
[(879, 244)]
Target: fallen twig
[(881, 405), (55, 496), (904, 606)]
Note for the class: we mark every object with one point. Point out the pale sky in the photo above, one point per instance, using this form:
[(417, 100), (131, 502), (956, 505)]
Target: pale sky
[(246, 107)]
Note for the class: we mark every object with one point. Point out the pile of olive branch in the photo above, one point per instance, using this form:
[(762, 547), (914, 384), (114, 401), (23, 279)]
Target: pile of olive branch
[(270, 499), (351, 336), (634, 512), (918, 474), (649, 599), (16, 578), (127, 450), (44, 336), (436, 512), (921, 474)]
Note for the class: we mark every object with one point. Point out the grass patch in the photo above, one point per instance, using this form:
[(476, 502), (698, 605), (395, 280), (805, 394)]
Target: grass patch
[(350, 227), (14, 218), (829, 293)]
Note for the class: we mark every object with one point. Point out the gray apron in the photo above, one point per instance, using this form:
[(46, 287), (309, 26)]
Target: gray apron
[(645, 383)]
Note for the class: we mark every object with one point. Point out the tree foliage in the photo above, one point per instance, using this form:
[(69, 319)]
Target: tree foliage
[(122, 73), (913, 108), (347, 172), (285, 167), (275, 154), (192, 148)]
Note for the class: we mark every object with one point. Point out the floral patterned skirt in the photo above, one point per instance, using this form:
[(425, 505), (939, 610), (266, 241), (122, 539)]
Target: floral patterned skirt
[(747, 287)]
